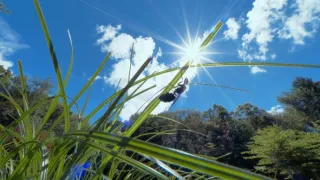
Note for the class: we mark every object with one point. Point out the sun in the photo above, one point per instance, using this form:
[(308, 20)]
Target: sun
[(191, 50), (192, 53)]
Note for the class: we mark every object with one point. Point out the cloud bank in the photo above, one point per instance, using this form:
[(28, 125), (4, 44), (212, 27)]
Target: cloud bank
[(9, 43), (294, 20)]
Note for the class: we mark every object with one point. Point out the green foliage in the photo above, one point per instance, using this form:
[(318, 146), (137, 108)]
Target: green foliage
[(32, 153), (304, 97), (287, 152)]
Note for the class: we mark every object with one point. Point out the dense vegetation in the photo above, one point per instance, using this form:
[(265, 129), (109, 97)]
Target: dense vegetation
[(36, 90), (279, 144), (40, 137)]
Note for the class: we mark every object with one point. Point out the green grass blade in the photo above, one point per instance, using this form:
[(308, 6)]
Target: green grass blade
[(56, 66), (169, 119), (123, 91), (13, 102), (25, 114), (171, 156), (12, 134), (126, 159), (107, 114), (164, 166), (86, 102), (153, 104), (91, 80), (27, 120), (55, 102), (230, 64), (11, 154), (70, 61)]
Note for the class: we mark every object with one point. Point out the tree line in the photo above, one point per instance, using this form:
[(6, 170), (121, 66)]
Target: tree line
[(284, 145)]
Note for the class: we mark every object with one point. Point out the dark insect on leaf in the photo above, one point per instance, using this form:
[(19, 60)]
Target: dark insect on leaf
[(167, 97), (180, 89)]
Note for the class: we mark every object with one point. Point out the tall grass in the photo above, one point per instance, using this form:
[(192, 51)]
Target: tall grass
[(102, 151)]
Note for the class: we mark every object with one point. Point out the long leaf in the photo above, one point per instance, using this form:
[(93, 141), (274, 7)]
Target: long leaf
[(56, 67), (126, 159), (171, 155), (55, 102)]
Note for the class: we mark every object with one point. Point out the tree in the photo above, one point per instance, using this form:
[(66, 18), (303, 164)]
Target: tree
[(36, 90), (259, 118), (6, 109), (286, 152), (304, 97)]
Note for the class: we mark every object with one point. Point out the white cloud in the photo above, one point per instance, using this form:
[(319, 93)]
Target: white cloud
[(260, 21), (108, 32), (306, 14), (144, 47), (256, 69), (233, 29), (9, 43), (282, 19), (278, 109)]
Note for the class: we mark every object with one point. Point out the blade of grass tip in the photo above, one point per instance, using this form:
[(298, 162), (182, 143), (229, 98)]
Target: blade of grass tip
[(56, 66), (89, 83), (86, 102), (171, 155), (27, 120), (116, 89), (55, 102), (70, 61), (23, 86), (131, 96), (111, 108), (131, 57)]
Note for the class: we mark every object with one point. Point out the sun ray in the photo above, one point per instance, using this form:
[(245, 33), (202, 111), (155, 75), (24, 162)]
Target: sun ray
[(211, 53), (179, 35), (208, 74), (186, 21), (207, 59), (135, 27)]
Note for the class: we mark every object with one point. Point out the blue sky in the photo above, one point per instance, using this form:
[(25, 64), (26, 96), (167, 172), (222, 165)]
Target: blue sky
[(283, 31)]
